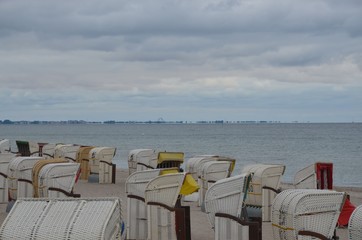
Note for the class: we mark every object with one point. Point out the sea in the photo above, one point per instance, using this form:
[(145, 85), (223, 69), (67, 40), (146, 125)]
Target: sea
[(296, 145)]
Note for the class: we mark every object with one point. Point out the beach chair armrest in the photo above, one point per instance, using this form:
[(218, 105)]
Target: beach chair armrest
[(68, 194), (313, 234), (272, 189)]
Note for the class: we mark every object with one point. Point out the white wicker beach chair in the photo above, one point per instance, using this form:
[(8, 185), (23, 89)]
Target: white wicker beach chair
[(136, 183), (306, 214), (161, 195), (5, 146), (223, 203), (5, 159), (48, 150), (264, 186), (315, 176), (209, 173), (355, 224), (140, 159), (57, 180), (78, 219), (100, 162), (20, 175), (67, 151)]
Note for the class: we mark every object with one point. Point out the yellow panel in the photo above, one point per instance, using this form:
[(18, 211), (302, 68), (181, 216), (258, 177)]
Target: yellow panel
[(170, 156)]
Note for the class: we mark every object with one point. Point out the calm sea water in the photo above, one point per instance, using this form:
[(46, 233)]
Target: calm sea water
[(295, 145)]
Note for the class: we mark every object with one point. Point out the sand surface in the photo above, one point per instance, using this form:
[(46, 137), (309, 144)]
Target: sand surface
[(200, 227)]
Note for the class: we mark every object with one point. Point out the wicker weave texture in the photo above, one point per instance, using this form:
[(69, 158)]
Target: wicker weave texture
[(355, 224), (301, 209), (5, 159), (63, 219), (140, 156)]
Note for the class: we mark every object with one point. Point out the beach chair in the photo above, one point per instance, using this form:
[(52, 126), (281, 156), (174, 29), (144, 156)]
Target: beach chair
[(19, 173), (5, 146), (136, 183), (209, 173), (306, 214), (170, 159), (5, 159), (224, 202), (315, 176), (264, 185), (56, 180), (27, 148), (48, 150), (139, 159), (67, 151), (167, 219), (100, 163), (319, 175), (355, 224), (83, 160), (72, 219)]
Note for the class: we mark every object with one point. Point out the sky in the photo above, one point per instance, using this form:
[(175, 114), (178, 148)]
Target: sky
[(187, 60)]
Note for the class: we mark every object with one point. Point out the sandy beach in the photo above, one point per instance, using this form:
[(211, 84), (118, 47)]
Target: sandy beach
[(200, 227)]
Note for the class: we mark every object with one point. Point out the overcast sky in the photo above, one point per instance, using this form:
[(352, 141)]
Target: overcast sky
[(181, 60)]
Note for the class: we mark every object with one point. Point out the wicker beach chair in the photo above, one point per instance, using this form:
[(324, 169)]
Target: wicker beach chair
[(100, 163), (211, 172), (83, 160), (27, 148), (170, 159), (224, 202), (67, 151), (162, 197), (136, 183), (318, 175), (355, 224), (264, 186), (5, 159), (19, 173), (78, 219), (48, 150), (306, 214), (5, 146), (56, 180), (140, 159)]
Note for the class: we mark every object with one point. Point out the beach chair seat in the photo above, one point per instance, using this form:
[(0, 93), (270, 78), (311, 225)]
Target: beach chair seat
[(5, 159), (161, 195), (20, 175), (137, 227), (67, 151), (224, 207), (306, 214), (27, 148), (56, 180), (5, 146), (100, 163), (83, 160), (98, 218), (355, 224), (209, 173), (140, 159), (264, 185)]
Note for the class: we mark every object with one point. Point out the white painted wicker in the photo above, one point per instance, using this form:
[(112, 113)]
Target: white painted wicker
[(136, 183), (259, 199), (59, 176), (355, 224), (67, 151), (100, 162), (48, 150), (226, 196), (308, 210), (209, 173), (5, 159), (161, 195), (139, 159), (98, 218), (193, 164), (5, 146), (21, 168)]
